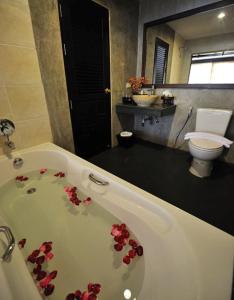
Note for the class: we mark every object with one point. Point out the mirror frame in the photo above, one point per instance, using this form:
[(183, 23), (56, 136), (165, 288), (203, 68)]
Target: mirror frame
[(181, 15)]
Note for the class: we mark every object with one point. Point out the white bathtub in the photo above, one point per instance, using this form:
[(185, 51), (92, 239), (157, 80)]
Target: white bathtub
[(184, 257)]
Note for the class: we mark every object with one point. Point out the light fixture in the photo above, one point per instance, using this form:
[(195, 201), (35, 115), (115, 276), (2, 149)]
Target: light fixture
[(127, 294), (221, 15)]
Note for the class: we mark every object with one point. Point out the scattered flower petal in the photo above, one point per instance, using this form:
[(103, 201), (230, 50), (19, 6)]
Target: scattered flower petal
[(43, 171), (127, 259), (71, 296), (49, 256), (139, 250), (41, 275), (49, 290), (22, 243), (88, 201)]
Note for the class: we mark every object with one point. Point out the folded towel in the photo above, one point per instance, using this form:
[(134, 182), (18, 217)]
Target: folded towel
[(209, 136)]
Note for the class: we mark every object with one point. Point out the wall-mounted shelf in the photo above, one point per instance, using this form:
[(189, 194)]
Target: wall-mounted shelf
[(157, 110)]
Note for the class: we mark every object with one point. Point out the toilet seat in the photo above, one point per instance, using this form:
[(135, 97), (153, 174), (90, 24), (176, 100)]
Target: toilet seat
[(205, 144)]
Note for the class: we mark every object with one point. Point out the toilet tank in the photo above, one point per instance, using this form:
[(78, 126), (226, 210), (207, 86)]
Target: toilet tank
[(213, 120)]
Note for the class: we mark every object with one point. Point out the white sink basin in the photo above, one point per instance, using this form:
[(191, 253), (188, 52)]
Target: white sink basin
[(144, 100)]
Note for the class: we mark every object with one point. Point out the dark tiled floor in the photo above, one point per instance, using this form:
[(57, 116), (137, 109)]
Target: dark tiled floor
[(164, 172)]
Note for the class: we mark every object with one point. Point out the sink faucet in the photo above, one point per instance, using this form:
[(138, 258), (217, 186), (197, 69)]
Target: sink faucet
[(146, 118)]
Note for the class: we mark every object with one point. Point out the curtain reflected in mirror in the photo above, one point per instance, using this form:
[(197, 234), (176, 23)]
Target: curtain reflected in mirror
[(198, 49)]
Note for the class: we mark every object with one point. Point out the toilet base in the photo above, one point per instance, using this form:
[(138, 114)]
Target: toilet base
[(201, 168)]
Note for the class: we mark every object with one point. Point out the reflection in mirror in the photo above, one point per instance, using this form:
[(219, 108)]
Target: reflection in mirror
[(198, 49)]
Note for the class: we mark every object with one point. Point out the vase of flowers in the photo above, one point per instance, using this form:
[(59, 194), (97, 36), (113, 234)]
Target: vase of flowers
[(135, 83)]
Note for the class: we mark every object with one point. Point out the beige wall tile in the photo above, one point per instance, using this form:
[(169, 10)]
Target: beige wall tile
[(33, 132), (19, 65), (15, 23), (4, 104), (27, 101)]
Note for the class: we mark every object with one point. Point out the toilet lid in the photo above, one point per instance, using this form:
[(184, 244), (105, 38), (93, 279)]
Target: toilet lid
[(206, 144)]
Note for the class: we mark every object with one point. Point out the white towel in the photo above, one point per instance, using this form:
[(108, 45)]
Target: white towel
[(209, 136)]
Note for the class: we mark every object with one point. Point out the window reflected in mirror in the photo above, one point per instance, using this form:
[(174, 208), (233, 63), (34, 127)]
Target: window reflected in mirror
[(198, 49)]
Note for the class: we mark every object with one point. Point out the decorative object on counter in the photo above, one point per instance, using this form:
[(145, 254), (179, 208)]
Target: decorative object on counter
[(135, 83), (125, 138), (127, 100), (167, 97)]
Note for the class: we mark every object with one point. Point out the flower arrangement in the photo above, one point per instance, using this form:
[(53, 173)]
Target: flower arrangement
[(135, 83)]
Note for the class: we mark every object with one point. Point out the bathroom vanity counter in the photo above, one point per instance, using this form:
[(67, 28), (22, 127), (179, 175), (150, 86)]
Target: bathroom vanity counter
[(157, 110)]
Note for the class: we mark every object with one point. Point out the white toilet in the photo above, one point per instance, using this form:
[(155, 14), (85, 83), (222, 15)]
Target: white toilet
[(204, 150)]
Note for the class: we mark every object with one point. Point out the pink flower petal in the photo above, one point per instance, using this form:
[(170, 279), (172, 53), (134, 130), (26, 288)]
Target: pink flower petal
[(22, 243), (49, 256)]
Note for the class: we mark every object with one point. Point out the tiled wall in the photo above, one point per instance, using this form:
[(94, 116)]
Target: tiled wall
[(47, 36), (22, 98)]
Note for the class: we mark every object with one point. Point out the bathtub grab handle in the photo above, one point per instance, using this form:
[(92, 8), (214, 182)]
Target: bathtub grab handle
[(11, 242), (97, 181)]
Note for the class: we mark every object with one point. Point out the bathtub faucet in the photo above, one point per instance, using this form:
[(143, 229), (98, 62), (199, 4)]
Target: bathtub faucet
[(11, 242), (7, 128)]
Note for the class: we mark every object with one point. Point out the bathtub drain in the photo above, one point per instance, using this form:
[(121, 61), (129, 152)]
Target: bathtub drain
[(31, 191)]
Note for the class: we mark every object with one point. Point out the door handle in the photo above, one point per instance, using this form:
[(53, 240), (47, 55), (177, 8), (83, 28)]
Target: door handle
[(107, 91), (11, 242)]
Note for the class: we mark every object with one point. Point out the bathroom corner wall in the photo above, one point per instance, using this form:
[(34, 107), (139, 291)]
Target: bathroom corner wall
[(22, 98), (45, 21)]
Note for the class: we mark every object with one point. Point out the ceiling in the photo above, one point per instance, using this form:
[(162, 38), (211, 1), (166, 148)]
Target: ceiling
[(205, 24)]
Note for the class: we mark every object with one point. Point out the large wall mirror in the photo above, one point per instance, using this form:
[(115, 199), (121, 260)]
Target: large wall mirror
[(197, 49)]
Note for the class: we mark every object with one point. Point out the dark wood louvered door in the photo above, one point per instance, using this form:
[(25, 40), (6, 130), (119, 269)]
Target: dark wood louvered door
[(85, 38)]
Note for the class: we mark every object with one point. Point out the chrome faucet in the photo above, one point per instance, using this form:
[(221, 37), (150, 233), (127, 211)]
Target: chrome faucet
[(151, 119), (7, 128), (11, 242), (146, 118)]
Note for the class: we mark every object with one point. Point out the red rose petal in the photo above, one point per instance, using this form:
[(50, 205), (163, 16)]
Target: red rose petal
[(92, 297), (139, 250), (78, 293), (44, 282), (40, 259), (126, 260), (37, 269), (132, 253), (96, 288), (22, 243), (71, 296), (41, 275), (133, 243), (49, 256), (118, 247), (53, 274), (49, 290), (125, 233)]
